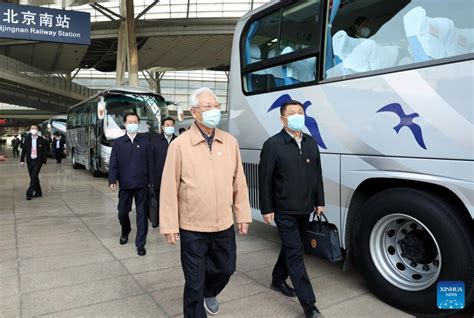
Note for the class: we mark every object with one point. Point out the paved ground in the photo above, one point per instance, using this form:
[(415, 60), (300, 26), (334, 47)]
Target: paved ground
[(60, 257)]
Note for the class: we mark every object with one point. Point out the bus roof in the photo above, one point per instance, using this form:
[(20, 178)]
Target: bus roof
[(118, 89)]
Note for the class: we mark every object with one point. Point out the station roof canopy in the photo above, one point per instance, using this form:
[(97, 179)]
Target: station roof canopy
[(171, 35)]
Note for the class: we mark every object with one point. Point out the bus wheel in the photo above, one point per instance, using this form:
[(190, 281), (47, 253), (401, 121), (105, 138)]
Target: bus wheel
[(75, 165), (407, 241)]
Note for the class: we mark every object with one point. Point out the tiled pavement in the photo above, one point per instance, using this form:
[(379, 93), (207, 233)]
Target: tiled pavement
[(60, 257)]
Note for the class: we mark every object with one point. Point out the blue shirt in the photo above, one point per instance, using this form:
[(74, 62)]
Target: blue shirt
[(129, 162)]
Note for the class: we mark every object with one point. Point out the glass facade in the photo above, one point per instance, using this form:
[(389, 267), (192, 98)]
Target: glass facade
[(175, 86)]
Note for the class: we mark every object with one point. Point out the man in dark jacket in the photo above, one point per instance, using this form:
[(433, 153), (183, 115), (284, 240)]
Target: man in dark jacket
[(16, 146), (291, 187), (58, 147), (129, 166), (35, 151), (158, 150)]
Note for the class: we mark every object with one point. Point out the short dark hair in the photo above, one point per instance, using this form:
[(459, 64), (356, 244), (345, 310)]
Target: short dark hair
[(34, 125), (166, 119), (290, 102), (130, 114), (361, 19)]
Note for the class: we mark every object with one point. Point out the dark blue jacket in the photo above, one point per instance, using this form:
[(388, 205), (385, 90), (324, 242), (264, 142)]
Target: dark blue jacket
[(158, 151), (129, 162)]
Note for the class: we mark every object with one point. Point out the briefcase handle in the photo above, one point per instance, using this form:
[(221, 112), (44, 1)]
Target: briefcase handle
[(319, 218)]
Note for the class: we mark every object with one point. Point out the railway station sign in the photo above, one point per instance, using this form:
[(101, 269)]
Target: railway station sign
[(44, 24)]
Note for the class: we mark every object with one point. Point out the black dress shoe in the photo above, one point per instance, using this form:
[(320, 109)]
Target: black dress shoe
[(141, 251), (123, 239), (312, 312), (28, 198), (37, 195), (284, 289)]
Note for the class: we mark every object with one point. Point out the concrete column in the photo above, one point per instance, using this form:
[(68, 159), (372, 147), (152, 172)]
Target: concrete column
[(127, 56)]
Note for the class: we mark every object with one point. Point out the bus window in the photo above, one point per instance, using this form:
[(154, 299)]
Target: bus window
[(292, 73), (380, 35), (299, 26), (147, 107), (290, 37)]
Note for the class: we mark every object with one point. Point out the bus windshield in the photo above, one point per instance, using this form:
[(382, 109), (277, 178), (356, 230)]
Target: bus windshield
[(148, 107)]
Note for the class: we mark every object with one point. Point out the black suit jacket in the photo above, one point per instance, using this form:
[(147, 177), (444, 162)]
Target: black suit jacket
[(290, 180), (61, 145), (158, 150), (41, 149), (129, 162)]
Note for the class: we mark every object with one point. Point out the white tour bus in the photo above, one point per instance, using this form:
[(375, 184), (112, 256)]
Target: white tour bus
[(387, 88), (95, 123)]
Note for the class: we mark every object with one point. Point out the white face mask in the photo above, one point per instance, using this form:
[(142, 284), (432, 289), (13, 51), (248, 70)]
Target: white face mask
[(34, 132), (365, 32)]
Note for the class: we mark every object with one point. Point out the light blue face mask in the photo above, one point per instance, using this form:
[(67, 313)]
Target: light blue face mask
[(296, 122), (169, 131), (132, 128), (211, 118)]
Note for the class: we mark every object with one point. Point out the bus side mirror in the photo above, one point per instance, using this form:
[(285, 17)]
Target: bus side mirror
[(180, 113), (101, 108)]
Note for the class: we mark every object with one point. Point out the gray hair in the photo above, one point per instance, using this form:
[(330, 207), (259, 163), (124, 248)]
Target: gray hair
[(193, 100)]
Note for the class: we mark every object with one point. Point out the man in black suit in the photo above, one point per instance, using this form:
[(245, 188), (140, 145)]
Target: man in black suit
[(129, 166), (35, 150), (58, 147), (158, 150), (291, 187), (16, 146)]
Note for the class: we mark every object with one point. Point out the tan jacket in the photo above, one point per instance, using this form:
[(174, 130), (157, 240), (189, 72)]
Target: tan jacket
[(202, 191)]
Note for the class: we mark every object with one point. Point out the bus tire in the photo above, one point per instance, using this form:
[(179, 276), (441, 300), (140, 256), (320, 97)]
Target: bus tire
[(75, 165), (407, 240)]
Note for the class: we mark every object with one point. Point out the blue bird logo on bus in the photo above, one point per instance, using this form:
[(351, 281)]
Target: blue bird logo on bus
[(309, 121), (405, 121)]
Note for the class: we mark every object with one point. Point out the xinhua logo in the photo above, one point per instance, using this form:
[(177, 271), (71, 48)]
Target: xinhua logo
[(451, 295)]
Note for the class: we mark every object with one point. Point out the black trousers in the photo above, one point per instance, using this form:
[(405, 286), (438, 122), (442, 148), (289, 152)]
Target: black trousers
[(141, 206), (34, 167), (16, 152), (290, 261), (58, 155), (208, 261)]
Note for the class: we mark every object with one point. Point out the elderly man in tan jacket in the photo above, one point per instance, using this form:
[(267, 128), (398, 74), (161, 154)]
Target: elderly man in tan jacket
[(203, 189)]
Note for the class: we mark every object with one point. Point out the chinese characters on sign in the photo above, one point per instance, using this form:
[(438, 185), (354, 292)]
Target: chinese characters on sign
[(44, 24)]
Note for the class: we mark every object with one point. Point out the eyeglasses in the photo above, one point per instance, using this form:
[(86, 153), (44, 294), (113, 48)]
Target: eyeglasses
[(208, 107)]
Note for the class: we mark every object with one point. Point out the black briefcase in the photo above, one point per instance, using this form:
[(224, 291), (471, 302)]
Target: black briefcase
[(322, 239), (153, 207)]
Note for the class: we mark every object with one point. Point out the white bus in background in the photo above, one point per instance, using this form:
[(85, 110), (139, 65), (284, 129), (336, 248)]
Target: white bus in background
[(387, 88), (94, 124)]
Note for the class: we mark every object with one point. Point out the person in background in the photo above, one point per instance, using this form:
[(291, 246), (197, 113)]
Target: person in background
[(35, 151), (291, 188), (360, 28), (58, 147), (182, 130), (158, 149), (16, 146), (129, 166), (203, 190)]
